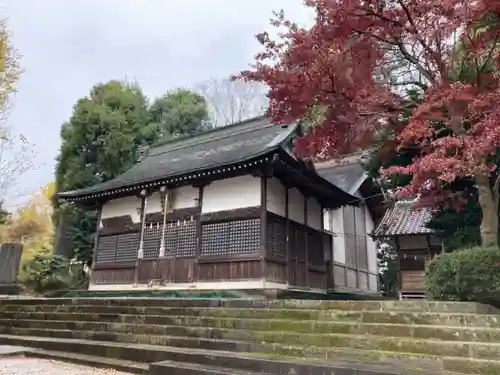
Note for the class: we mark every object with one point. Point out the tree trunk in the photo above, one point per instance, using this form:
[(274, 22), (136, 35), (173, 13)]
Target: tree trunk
[(489, 208)]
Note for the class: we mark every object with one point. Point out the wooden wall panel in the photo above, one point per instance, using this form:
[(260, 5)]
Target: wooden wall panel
[(412, 281), (301, 279), (317, 279), (169, 270), (276, 272), (230, 270), (113, 276)]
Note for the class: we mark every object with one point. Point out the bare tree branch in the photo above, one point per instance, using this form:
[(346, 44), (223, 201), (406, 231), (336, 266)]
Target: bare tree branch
[(233, 101)]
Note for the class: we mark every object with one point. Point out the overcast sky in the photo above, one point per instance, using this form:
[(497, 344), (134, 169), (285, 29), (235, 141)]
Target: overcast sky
[(69, 45)]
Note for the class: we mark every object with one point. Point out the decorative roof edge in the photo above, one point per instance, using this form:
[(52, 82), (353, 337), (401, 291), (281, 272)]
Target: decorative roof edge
[(176, 179), (80, 194)]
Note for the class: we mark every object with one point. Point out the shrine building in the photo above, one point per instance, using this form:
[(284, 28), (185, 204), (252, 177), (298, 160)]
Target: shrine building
[(404, 228), (231, 208)]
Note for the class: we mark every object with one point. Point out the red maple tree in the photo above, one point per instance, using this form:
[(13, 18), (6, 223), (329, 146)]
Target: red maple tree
[(353, 69)]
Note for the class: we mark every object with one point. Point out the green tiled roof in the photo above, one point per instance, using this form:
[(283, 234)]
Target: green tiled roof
[(216, 148)]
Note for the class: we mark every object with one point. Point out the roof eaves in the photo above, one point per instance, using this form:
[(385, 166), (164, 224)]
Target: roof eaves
[(354, 188), (84, 193), (403, 220), (349, 199), (281, 138)]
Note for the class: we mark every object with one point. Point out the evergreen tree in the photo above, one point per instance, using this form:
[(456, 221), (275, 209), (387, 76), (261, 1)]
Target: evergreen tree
[(180, 112), (101, 141)]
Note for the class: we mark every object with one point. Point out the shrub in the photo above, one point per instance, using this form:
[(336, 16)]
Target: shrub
[(45, 272), (465, 275)]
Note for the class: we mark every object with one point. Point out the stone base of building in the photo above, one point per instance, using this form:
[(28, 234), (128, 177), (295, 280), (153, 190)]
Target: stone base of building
[(218, 290)]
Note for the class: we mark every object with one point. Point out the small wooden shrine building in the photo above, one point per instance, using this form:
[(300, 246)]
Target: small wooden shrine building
[(231, 208), (405, 228)]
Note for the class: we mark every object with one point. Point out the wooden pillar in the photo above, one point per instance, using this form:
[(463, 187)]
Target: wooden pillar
[(322, 227), (199, 234), (429, 249), (356, 248), (96, 237), (140, 252), (263, 224), (306, 240), (345, 217), (165, 200), (287, 235), (398, 266)]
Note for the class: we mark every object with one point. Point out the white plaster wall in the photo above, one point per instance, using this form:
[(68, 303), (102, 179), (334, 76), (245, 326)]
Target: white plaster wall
[(184, 197), (339, 236), (121, 207), (371, 245), (296, 206), (231, 193), (153, 203), (314, 214), (327, 220), (276, 197)]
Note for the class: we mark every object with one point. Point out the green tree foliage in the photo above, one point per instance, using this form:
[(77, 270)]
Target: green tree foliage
[(180, 112), (101, 139), (388, 270), (98, 143), (46, 273), (4, 215)]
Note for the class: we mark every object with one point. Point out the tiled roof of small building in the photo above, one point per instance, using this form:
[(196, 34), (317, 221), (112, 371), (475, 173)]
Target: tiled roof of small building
[(404, 219)]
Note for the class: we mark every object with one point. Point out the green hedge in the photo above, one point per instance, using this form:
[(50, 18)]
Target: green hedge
[(465, 275)]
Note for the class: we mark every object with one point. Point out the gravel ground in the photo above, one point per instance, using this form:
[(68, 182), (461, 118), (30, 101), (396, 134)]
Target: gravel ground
[(33, 366)]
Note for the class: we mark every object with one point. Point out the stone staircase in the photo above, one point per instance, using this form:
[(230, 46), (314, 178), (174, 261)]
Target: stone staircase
[(160, 336)]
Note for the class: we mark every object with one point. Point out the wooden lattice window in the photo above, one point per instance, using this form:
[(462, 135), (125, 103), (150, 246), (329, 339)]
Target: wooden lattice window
[(106, 249), (276, 237), (152, 238), (117, 248), (180, 238), (186, 239), (231, 238), (127, 247)]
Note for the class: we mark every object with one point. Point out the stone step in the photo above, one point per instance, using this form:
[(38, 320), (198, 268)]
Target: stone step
[(191, 316), (334, 361), (281, 343), (213, 328), (121, 365), (180, 368), (408, 306), (177, 368)]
